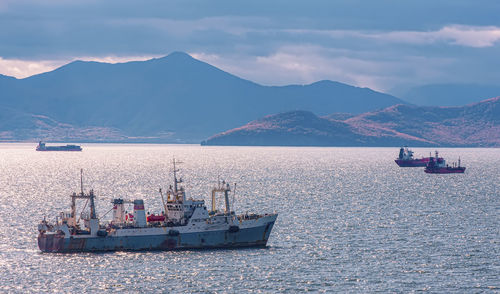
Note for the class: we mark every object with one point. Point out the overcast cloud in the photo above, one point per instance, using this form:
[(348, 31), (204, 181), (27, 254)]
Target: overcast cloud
[(377, 44)]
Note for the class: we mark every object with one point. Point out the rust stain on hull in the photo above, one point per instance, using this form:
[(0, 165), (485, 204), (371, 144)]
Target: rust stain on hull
[(51, 243)]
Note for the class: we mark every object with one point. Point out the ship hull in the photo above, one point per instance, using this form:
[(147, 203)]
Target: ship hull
[(444, 170), (59, 148), (245, 237), (412, 163)]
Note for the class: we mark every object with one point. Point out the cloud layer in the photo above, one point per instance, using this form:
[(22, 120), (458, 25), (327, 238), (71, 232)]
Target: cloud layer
[(382, 45)]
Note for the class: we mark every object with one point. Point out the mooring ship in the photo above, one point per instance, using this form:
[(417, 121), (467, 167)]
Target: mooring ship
[(183, 224), (43, 147), (405, 159), (438, 165)]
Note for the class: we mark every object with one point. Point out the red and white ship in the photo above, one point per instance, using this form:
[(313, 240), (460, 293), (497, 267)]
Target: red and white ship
[(438, 165), (406, 159)]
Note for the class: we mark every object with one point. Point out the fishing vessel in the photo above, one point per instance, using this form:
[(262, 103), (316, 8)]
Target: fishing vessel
[(405, 159), (183, 224), (43, 147), (438, 165)]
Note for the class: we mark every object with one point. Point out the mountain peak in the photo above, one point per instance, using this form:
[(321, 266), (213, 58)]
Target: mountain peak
[(326, 83), (177, 56)]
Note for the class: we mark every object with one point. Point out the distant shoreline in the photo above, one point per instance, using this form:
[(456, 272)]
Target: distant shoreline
[(202, 145)]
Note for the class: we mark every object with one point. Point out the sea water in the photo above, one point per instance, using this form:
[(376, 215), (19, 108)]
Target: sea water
[(350, 220)]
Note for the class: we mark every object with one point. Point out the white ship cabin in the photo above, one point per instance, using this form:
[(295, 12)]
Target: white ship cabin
[(195, 211), (191, 205), (175, 204), (182, 210), (405, 153), (192, 212), (178, 211), (118, 211)]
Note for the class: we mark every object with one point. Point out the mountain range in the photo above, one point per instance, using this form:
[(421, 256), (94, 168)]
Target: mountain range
[(178, 99), (171, 99), (473, 125)]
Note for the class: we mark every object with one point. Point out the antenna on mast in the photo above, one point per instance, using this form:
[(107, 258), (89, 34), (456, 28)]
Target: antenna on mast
[(176, 181)]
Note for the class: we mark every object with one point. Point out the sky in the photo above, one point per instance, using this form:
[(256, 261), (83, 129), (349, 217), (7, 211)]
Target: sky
[(384, 45)]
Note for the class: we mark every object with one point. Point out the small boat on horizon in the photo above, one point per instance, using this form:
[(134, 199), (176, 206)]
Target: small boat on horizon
[(43, 147), (405, 159), (438, 165)]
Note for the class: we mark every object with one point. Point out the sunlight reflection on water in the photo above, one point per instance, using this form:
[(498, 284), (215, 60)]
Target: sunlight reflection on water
[(349, 220)]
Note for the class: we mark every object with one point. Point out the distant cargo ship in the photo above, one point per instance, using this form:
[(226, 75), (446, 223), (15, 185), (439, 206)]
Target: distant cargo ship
[(438, 165), (406, 159), (42, 147), (183, 224)]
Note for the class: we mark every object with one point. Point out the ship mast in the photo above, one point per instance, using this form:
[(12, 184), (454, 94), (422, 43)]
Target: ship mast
[(82, 195), (224, 188), (175, 178), (177, 190)]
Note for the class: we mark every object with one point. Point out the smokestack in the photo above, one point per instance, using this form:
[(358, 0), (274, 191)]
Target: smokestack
[(139, 214)]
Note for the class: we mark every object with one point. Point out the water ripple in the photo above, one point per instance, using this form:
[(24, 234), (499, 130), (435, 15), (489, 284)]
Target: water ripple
[(350, 220)]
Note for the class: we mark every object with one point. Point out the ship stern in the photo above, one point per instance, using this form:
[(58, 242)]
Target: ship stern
[(51, 242)]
